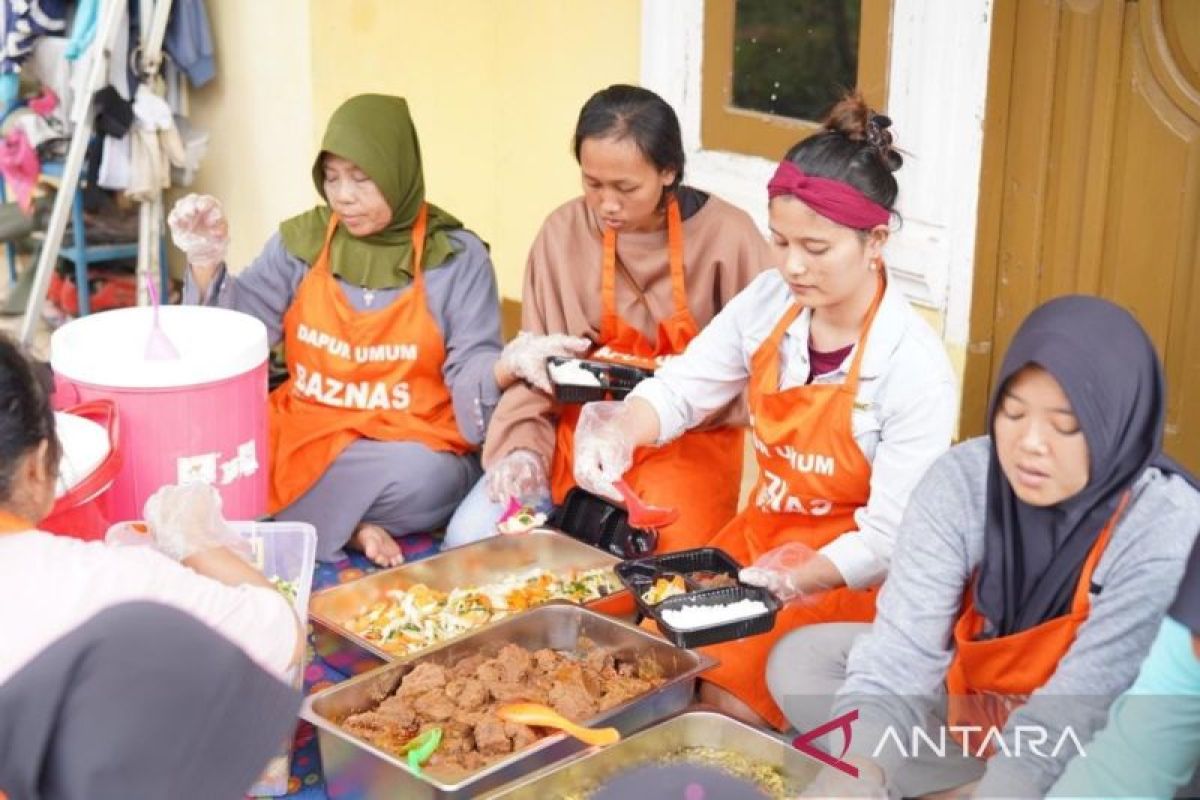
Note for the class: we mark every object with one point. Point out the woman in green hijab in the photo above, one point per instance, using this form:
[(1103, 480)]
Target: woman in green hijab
[(387, 310)]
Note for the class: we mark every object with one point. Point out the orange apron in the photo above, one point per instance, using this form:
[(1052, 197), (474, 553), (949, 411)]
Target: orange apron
[(812, 478), (990, 678), (700, 473), (356, 374), (11, 523)]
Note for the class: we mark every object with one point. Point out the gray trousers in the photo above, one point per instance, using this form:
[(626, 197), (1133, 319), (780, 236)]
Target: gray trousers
[(804, 673), (140, 701), (403, 487)]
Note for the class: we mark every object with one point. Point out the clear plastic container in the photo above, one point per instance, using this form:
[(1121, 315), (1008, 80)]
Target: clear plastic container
[(286, 551), (282, 551)]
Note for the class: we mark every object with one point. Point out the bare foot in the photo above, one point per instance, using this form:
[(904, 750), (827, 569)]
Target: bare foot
[(377, 545)]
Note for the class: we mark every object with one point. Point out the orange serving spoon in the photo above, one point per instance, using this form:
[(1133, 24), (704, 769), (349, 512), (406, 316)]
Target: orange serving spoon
[(546, 717), (643, 515)]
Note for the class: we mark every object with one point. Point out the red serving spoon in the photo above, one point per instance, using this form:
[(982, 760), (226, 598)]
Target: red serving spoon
[(643, 515)]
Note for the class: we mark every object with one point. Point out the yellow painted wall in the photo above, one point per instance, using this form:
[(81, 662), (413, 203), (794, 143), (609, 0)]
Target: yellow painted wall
[(259, 114), (494, 87)]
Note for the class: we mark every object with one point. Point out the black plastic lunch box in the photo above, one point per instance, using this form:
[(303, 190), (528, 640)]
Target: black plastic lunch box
[(616, 381), (639, 575), (602, 524)]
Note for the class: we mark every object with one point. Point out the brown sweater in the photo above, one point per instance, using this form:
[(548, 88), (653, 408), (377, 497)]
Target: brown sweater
[(722, 252)]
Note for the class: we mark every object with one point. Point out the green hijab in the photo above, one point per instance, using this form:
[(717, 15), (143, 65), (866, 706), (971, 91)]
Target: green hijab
[(375, 132)]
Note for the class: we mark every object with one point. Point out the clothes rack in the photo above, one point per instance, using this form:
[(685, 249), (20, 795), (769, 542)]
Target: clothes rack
[(153, 15)]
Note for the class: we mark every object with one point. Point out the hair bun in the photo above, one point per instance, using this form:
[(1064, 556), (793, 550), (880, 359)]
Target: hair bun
[(852, 118)]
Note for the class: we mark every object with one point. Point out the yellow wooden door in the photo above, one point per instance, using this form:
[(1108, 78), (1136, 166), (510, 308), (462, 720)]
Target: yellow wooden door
[(1091, 183)]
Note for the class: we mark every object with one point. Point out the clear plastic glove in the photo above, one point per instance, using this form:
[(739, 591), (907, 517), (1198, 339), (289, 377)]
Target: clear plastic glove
[(780, 571), (200, 230), (525, 356), (603, 448), (521, 475), (186, 520)]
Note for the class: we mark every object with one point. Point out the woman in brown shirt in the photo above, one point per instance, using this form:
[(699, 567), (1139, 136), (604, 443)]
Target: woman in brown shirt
[(636, 266)]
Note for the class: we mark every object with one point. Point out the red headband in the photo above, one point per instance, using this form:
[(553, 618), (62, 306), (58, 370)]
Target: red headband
[(835, 200)]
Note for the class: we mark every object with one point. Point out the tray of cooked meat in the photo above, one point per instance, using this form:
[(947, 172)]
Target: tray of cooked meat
[(699, 753), (400, 612), (591, 668)]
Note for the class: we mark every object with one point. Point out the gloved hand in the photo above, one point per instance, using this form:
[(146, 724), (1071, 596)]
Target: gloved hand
[(525, 356), (603, 447), (522, 475), (780, 571), (186, 520), (200, 230)]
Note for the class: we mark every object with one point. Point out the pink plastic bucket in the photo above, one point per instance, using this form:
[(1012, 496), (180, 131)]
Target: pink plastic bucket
[(201, 417)]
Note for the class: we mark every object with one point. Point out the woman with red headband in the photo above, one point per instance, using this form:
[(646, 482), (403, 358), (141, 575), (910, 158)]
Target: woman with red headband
[(851, 396)]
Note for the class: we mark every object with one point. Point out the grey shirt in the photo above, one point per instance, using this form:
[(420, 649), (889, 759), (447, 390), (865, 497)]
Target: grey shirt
[(461, 295), (897, 672)]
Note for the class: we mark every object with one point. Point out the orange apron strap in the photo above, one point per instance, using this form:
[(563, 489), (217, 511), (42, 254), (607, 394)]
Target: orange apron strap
[(770, 375), (851, 384), (1079, 602), (608, 287), (322, 261), (675, 254), (608, 272)]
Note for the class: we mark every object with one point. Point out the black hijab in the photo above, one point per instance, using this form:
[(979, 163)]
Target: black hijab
[(1108, 369)]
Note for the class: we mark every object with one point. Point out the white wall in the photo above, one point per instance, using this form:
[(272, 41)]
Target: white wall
[(936, 95)]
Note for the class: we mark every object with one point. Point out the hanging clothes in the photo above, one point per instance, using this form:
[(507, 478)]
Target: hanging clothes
[(83, 30), (37, 130), (154, 145), (48, 65), (116, 157), (20, 166), (25, 22), (189, 41)]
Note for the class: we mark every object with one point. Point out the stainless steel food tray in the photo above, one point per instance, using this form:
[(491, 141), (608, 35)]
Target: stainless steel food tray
[(354, 768), (478, 563), (689, 729)]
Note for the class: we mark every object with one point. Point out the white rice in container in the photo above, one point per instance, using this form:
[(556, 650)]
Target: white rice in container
[(572, 373), (690, 618)]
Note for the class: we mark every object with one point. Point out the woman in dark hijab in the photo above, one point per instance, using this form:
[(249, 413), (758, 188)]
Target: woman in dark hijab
[(1038, 533), (1032, 569)]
